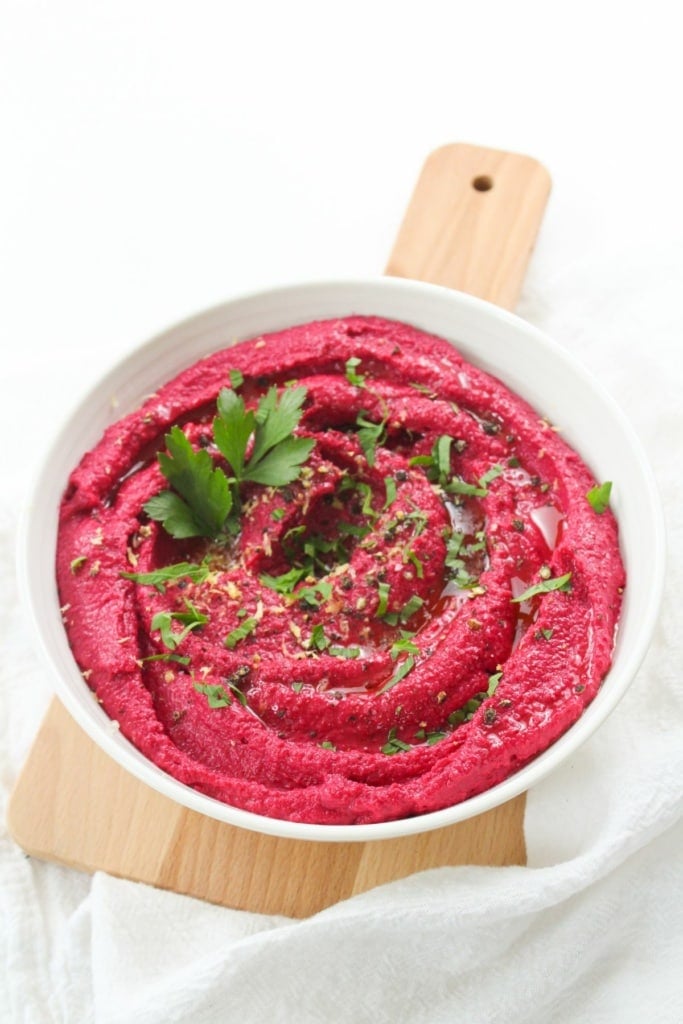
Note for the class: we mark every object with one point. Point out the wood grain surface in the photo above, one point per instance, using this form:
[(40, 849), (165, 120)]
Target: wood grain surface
[(471, 224)]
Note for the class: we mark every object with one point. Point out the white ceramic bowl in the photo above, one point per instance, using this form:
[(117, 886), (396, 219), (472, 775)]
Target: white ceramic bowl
[(525, 359)]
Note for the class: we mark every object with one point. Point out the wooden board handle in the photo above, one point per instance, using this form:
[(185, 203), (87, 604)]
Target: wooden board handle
[(472, 222)]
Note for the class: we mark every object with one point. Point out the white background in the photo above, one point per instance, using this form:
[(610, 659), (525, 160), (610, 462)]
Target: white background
[(159, 157)]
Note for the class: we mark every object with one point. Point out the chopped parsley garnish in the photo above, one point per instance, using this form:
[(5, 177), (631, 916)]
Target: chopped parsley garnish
[(357, 379), (241, 697), (78, 563), (429, 392), (297, 686), (240, 633), (394, 745), (408, 610), (327, 745), (318, 638), (467, 711), (400, 672), (458, 486), (390, 488), (167, 656), (277, 514), (344, 652), (216, 696), (404, 645), (383, 590), (410, 556), (558, 583), (598, 497), (316, 594), (353, 530), (285, 583), (438, 464), (369, 436), (490, 475), (169, 574), (493, 683), (457, 551), (410, 607), (366, 491), (191, 619)]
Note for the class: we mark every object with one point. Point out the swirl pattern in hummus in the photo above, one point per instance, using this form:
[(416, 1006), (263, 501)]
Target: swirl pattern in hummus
[(398, 675)]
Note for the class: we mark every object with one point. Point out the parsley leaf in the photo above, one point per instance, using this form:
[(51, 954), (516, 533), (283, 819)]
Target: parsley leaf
[(490, 475), (404, 645), (277, 456), (438, 463), (191, 619), (310, 594), (459, 486), (203, 501), (383, 600), (200, 501), (318, 638), (558, 583), (598, 497), (493, 683), (285, 583), (390, 488), (167, 656), (394, 745), (240, 633), (215, 695), (160, 577), (232, 429), (344, 652), (410, 607), (400, 672), (357, 379), (369, 436), (410, 556)]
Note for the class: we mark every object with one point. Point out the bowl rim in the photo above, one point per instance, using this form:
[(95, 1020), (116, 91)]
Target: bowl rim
[(102, 730)]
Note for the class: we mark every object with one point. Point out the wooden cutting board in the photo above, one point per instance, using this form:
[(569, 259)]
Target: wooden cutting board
[(471, 224)]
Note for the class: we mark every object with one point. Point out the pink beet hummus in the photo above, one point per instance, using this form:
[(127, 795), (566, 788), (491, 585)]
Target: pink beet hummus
[(397, 672)]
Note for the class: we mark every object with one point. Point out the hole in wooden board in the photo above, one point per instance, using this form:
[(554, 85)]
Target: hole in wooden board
[(482, 183)]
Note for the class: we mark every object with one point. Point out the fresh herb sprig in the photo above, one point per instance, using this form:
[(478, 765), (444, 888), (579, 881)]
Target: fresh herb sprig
[(190, 620), (200, 501), (277, 456), (203, 501)]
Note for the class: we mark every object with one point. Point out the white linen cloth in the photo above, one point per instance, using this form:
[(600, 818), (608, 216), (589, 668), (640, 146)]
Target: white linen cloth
[(592, 929)]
